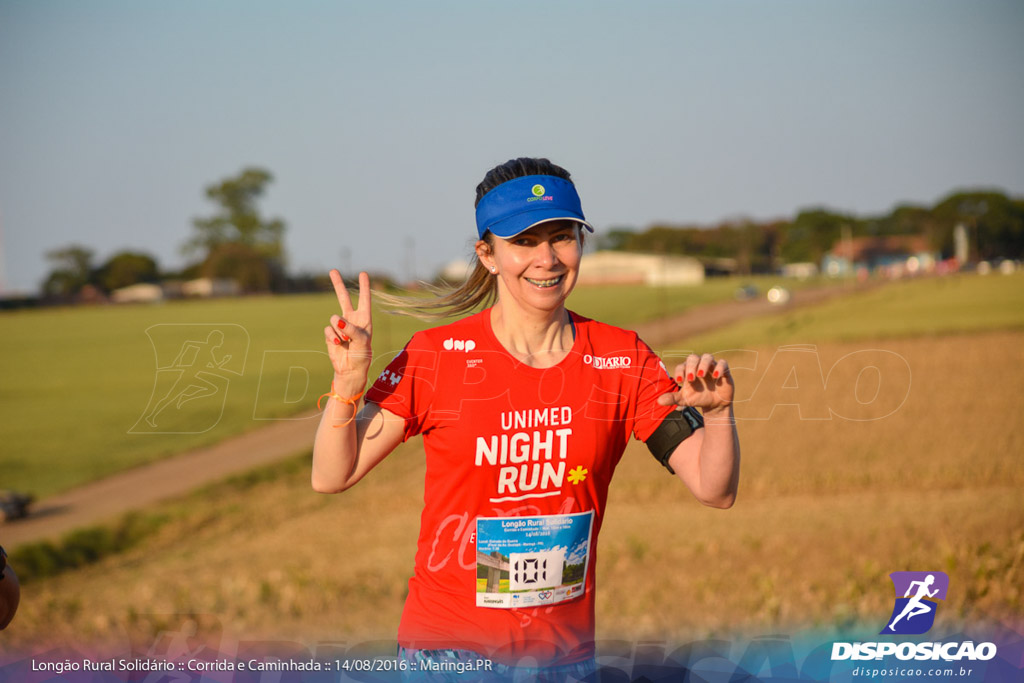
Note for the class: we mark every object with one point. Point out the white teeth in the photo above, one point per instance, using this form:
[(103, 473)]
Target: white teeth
[(545, 283)]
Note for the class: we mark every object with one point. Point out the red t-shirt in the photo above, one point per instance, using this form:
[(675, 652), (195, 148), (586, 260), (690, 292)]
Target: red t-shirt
[(506, 440)]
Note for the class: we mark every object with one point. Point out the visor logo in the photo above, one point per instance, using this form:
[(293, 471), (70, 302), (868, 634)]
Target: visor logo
[(538, 190)]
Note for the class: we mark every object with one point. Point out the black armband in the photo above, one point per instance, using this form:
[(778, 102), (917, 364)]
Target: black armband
[(676, 426)]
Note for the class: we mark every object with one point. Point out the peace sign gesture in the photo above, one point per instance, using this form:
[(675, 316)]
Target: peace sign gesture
[(348, 337)]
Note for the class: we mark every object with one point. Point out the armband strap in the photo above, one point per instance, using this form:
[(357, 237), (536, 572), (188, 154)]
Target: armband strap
[(677, 426)]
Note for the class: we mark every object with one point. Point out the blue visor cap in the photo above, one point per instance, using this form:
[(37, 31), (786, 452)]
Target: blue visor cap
[(522, 203)]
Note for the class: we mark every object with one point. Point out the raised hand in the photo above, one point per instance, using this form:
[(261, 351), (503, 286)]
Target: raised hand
[(348, 337), (704, 383)]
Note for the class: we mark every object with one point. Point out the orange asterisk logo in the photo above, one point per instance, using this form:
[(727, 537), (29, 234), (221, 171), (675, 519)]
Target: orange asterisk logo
[(578, 474)]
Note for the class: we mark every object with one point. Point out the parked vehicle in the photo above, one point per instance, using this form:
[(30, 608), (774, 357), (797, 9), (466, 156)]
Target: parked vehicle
[(14, 505)]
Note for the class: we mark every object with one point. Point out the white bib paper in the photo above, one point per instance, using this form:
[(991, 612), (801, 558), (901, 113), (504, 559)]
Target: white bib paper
[(531, 561)]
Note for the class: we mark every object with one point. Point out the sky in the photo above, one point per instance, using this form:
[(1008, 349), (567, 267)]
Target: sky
[(378, 119)]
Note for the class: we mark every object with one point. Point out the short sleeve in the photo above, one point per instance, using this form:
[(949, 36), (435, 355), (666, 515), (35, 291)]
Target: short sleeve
[(653, 381), (406, 386)]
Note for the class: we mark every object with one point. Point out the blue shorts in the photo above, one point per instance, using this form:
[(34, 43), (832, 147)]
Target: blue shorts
[(464, 666)]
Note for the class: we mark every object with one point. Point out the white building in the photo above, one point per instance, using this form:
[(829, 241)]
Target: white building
[(142, 292), (207, 287), (620, 267)]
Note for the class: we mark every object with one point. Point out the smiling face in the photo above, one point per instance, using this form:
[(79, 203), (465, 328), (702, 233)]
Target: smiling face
[(536, 269)]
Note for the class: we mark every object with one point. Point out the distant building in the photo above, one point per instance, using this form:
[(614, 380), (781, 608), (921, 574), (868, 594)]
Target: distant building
[(208, 287), (892, 255), (456, 271), (800, 271), (142, 292), (620, 267), (90, 294)]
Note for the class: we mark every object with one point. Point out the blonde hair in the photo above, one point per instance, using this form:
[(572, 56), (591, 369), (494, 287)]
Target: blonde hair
[(480, 289)]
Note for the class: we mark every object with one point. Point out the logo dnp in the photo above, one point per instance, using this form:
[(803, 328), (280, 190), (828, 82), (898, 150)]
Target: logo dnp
[(452, 344)]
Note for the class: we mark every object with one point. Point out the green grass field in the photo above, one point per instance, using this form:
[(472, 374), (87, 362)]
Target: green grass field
[(626, 305), (957, 304), (77, 382)]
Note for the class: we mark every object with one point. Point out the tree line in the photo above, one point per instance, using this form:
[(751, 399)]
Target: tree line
[(237, 242), (993, 220)]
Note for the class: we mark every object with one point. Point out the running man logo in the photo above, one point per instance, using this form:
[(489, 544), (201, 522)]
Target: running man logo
[(194, 366), (916, 596)]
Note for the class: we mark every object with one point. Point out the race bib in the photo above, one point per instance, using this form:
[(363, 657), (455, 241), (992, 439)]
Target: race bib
[(531, 561)]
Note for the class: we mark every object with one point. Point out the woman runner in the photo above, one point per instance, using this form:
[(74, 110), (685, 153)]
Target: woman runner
[(525, 409)]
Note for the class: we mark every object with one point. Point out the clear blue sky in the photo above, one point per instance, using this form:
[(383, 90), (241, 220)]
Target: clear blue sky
[(378, 119)]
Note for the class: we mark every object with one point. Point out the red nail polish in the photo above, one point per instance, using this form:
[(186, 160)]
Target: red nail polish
[(690, 377), (344, 338), (341, 324), (679, 378), (715, 375), (700, 373), (337, 342)]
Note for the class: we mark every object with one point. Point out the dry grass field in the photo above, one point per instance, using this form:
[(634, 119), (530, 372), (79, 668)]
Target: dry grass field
[(827, 509)]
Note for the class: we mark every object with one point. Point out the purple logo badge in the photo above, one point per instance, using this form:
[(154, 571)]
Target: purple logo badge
[(917, 594)]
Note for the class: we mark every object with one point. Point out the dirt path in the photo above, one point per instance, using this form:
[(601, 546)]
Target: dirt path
[(659, 333), (142, 486)]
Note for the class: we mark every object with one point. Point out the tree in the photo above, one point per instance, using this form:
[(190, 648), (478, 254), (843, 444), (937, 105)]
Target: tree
[(73, 270), (253, 272), (995, 222), (812, 233), (237, 233), (614, 239), (127, 268)]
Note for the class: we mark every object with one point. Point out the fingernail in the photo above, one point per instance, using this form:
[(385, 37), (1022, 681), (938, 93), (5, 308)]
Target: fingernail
[(700, 373), (344, 338), (690, 377), (679, 378), (337, 342), (341, 324), (715, 375)]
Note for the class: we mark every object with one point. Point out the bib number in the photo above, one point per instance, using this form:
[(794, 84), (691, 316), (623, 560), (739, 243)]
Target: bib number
[(531, 561)]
